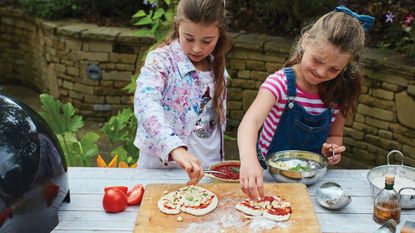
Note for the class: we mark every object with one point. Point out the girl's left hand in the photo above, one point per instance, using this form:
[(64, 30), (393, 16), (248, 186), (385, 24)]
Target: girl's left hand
[(328, 149)]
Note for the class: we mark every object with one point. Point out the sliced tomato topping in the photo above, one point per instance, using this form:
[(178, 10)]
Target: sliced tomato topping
[(135, 194), (280, 211)]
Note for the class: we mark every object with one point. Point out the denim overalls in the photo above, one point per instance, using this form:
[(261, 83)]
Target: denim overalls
[(298, 129)]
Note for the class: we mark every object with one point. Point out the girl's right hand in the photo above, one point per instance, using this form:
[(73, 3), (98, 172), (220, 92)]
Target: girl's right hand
[(189, 163), (252, 180)]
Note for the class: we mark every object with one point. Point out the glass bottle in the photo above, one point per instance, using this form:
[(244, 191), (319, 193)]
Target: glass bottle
[(387, 203)]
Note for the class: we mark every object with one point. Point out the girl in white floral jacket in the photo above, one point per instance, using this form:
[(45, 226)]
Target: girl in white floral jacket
[(180, 97)]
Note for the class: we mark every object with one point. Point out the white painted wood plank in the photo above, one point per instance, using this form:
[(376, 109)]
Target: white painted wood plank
[(96, 220)]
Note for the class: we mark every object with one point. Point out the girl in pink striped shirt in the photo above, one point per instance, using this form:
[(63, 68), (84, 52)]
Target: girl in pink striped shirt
[(303, 106)]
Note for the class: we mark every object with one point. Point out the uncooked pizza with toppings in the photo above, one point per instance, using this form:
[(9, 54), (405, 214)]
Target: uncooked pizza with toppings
[(271, 207), (191, 199)]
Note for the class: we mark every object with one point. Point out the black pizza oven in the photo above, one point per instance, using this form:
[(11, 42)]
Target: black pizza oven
[(33, 170)]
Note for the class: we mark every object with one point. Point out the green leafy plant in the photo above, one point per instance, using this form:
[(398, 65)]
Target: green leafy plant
[(120, 130), (62, 119), (83, 150), (157, 21)]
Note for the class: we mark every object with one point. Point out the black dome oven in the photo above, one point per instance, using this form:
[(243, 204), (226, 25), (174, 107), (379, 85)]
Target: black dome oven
[(33, 170)]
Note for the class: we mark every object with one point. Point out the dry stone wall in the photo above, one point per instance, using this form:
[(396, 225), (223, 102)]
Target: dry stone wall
[(54, 56)]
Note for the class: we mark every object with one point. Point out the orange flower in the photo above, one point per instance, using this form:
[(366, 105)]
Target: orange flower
[(113, 163), (102, 163)]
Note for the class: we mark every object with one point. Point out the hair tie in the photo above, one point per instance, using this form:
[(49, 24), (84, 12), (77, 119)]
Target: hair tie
[(366, 20)]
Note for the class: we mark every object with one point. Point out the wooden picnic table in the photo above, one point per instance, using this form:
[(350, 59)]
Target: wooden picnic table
[(84, 214)]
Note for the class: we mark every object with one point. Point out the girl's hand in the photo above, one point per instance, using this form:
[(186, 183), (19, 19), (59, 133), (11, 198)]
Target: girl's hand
[(251, 180), (189, 163), (327, 150)]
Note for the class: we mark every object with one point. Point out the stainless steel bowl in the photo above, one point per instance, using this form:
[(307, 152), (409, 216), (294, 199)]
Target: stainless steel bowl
[(296, 166), (332, 196), (404, 180)]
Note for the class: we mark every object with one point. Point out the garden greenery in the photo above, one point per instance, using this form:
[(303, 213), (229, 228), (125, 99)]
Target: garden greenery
[(83, 150), (393, 28)]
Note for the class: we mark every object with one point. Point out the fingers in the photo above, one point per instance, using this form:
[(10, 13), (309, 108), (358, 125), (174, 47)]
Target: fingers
[(260, 186), (251, 182), (194, 171), (253, 188), (335, 159)]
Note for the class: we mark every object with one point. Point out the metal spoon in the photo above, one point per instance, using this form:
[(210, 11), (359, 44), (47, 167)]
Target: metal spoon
[(331, 196), (216, 172)]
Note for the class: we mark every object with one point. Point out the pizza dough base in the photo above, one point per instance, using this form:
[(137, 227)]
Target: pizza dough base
[(277, 218), (165, 210), (249, 211), (257, 212), (197, 212)]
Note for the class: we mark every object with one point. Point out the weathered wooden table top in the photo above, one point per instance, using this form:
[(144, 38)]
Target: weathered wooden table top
[(84, 214)]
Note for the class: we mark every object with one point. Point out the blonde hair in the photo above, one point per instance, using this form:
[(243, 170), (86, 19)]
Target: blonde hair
[(207, 12), (346, 33)]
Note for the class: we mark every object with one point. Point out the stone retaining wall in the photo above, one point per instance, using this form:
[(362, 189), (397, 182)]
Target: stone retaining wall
[(54, 56)]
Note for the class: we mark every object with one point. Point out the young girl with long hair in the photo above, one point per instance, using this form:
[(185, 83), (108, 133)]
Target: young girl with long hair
[(180, 99), (304, 105)]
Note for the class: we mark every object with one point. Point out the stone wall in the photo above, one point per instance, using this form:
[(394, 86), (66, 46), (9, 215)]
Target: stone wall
[(53, 57)]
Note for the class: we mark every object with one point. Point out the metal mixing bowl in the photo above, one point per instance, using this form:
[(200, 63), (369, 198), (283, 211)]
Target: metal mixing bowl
[(402, 173), (296, 166)]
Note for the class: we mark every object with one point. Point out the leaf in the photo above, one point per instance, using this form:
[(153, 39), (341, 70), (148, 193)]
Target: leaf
[(89, 146), (130, 88), (116, 128), (139, 14), (144, 21), (60, 118), (158, 14), (169, 16)]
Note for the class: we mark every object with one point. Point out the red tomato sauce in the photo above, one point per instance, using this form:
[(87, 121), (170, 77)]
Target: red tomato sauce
[(227, 169), (280, 211)]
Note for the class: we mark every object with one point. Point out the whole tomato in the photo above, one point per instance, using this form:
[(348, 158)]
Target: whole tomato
[(114, 201)]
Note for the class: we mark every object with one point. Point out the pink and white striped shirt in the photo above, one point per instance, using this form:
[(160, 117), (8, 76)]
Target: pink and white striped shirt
[(276, 83)]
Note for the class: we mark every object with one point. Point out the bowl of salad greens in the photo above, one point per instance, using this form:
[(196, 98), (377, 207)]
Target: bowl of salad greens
[(296, 166)]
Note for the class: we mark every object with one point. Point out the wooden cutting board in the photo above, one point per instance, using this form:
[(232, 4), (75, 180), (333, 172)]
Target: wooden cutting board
[(225, 218)]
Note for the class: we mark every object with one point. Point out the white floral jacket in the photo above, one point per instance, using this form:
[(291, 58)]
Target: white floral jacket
[(166, 101)]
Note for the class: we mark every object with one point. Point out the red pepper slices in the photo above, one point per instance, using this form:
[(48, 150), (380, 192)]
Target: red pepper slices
[(117, 198)]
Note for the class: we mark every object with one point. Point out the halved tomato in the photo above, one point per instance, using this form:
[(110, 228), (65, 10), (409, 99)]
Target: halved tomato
[(124, 189), (135, 194)]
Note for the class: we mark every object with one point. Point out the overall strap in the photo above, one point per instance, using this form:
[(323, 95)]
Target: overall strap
[(291, 86)]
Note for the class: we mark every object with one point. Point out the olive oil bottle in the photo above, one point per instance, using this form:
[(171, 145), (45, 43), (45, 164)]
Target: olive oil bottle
[(387, 204)]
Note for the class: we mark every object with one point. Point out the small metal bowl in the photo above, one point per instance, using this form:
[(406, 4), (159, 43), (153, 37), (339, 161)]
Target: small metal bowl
[(296, 166), (331, 195)]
